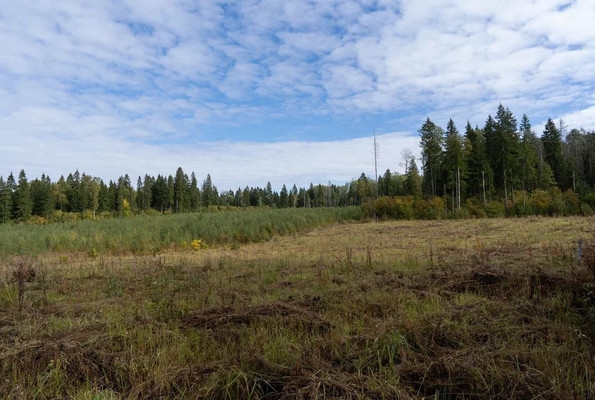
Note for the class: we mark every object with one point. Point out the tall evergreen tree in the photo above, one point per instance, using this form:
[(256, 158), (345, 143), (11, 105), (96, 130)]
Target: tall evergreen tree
[(453, 161), (491, 145), (104, 197), (413, 181), (506, 152), (529, 155), (208, 196), (431, 151), (5, 201), (21, 203), (476, 160), (41, 196), (181, 191), (284, 197), (194, 193), (73, 192), (268, 195), (552, 149), (160, 194), (170, 192)]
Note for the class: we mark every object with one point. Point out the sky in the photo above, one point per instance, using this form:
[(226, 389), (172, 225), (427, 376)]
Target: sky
[(287, 92)]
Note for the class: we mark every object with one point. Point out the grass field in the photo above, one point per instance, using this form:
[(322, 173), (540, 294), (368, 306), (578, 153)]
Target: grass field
[(455, 309)]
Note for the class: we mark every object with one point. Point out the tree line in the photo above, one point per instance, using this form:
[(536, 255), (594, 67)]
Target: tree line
[(503, 157), (497, 163), (80, 195), (502, 168)]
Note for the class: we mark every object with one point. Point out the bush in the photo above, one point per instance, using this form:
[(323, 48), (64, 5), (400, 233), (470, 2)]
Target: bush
[(389, 208), (572, 204), (495, 209), (540, 202), (475, 208), (586, 209), (430, 209)]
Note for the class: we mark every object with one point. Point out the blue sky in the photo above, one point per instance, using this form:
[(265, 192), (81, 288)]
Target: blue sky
[(265, 90)]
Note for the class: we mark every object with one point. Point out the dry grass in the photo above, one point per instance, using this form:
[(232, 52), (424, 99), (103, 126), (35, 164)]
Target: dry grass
[(466, 309)]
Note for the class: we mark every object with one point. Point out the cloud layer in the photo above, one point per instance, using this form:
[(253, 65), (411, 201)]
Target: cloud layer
[(116, 87)]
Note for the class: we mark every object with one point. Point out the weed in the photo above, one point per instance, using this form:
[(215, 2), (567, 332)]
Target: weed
[(114, 287)]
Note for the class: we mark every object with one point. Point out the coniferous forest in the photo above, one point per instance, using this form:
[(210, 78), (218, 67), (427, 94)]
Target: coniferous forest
[(503, 168)]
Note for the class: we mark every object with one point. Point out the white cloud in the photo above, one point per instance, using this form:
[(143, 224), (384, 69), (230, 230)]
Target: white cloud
[(94, 85)]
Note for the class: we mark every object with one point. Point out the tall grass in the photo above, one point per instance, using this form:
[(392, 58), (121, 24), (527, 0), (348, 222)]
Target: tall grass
[(155, 233)]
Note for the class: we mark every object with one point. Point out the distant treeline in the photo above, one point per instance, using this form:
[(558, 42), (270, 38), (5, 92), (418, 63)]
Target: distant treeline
[(84, 196), (503, 168)]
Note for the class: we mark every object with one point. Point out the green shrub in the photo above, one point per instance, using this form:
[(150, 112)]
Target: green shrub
[(475, 207), (495, 209)]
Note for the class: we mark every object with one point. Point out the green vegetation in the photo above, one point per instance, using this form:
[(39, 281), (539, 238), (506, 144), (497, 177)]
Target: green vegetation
[(157, 233), (450, 309)]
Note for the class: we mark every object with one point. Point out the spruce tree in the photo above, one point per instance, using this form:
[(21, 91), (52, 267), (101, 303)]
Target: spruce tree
[(41, 196), (207, 192), (194, 193), (453, 162), (181, 201), (506, 165), (5, 201), (529, 155), (413, 181), (160, 194), (21, 203), (431, 152), (476, 161), (284, 197), (552, 149)]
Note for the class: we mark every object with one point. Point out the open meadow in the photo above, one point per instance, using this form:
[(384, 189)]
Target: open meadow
[(447, 309)]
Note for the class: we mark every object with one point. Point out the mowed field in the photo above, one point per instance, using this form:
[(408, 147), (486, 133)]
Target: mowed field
[(452, 309)]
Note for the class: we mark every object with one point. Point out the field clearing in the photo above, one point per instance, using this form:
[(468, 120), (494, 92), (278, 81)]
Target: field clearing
[(452, 309)]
